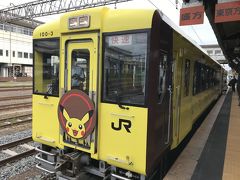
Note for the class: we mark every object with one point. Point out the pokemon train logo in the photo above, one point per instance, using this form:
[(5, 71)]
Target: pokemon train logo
[(76, 114)]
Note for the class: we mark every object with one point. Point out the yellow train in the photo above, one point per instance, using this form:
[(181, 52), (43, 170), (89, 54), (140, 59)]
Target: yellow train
[(114, 90)]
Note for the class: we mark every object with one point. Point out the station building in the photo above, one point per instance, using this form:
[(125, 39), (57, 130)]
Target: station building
[(215, 52), (15, 51)]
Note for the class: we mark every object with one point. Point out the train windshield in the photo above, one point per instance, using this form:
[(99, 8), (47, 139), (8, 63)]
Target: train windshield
[(125, 68), (46, 67)]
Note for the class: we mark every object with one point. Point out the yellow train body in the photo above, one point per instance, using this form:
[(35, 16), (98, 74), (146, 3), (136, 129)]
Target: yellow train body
[(129, 148)]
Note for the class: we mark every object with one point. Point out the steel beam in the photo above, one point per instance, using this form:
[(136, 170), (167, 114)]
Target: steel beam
[(38, 8)]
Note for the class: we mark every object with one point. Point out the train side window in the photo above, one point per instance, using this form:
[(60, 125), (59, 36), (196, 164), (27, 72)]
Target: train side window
[(80, 70), (186, 77), (46, 67), (162, 77)]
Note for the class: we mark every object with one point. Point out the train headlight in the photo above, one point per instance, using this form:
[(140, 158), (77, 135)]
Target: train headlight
[(84, 21), (79, 22), (73, 22)]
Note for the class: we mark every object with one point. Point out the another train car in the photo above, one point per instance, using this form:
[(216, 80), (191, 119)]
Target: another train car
[(114, 91)]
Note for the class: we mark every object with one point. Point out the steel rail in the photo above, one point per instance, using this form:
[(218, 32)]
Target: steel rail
[(14, 89), (15, 97), (14, 106), (17, 156), (16, 86), (15, 143), (14, 117), (15, 123)]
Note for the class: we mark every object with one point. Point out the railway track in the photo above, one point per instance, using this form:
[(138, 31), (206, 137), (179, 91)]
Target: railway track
[(15, 121), (15, 106), (15, 89), (15, 97), (13, 156)]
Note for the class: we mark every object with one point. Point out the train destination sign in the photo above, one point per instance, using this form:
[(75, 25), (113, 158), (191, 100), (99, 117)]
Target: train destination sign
[(229, 11), (191, 15), (120, 40)]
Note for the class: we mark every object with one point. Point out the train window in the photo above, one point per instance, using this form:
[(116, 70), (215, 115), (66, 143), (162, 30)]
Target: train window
[(196, 78), (125, 68), (186, 77), (204, 78), (80, 69), (46, 67), (162, 77)]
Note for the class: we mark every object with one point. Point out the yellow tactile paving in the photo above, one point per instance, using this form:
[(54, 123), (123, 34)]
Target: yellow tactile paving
[(232, 155), (185, 164)]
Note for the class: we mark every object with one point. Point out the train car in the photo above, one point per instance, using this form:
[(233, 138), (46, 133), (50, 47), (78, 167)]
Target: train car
[(115, 90)]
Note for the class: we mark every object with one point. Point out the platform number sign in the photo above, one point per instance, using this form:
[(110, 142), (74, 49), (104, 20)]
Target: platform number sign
[(229, 11), (191, 15)]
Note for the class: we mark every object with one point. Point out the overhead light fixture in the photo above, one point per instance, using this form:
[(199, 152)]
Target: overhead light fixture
[(73, 22), (236, 50)]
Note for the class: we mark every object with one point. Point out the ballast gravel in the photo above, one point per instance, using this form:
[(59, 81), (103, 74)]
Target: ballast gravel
[(18, 167), (15, 136)]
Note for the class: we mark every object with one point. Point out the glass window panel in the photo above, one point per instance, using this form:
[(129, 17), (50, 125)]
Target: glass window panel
[(19, 54), (124, 75), (80, 69), (162, 77), (46, 67), (186, 77), (25, 55)]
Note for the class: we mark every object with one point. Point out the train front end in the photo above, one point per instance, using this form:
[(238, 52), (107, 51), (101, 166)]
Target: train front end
[(90, 109)]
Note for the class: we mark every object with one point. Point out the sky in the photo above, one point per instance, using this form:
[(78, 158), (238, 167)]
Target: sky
[(202, 34)]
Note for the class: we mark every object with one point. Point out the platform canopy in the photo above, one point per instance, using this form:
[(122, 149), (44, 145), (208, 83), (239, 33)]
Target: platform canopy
[(224, 17)]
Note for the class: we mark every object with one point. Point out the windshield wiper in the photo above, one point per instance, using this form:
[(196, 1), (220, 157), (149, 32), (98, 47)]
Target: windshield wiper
[(118, 100)]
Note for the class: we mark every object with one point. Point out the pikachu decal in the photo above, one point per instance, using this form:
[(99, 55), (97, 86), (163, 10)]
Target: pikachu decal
[(76, 114)]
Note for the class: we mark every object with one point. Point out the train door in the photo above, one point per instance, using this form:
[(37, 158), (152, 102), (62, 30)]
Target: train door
[(159, 93), (185, 97), (81, 85)]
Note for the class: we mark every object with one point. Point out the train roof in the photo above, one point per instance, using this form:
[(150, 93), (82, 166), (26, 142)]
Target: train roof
[(113, 20), (182, 33)]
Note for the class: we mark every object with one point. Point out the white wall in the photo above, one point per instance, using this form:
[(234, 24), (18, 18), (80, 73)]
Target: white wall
[(18, 43)]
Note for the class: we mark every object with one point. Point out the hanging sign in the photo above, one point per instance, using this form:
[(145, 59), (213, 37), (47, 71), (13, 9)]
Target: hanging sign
[(191, 15), (229, 11)]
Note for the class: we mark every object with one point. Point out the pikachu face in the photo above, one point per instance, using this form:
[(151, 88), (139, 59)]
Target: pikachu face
[(75, 127), (76, 114)]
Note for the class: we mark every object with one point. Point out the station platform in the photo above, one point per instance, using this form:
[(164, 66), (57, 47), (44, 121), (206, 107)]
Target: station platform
[(213, 152)]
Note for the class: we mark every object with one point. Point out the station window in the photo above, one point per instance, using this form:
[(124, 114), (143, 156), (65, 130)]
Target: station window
[(217, 52), (6, 53), (210, 52), (13, 53), (46, 67), (1, 52), (25, 55), (30, 55), (19, 54), (124, 71)]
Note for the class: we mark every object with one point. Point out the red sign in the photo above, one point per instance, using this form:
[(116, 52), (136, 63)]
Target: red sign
[(191, 15), (225, 12)]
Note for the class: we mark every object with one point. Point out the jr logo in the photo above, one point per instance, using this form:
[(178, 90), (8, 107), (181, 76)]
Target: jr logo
[(122, 122)]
